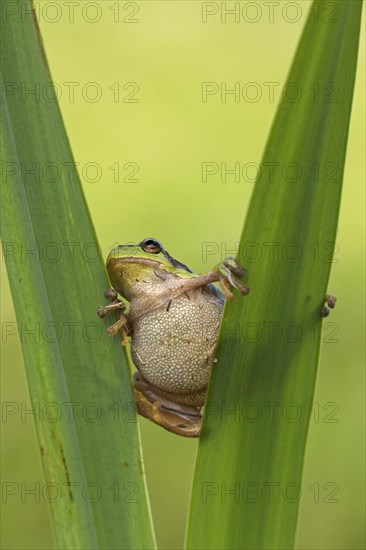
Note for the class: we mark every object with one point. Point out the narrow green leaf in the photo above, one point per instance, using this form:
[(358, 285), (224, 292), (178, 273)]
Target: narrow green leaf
[(246, 489), (78, 377)]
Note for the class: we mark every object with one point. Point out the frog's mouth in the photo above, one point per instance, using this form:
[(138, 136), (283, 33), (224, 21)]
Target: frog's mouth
[(132, 260), (148, 262)]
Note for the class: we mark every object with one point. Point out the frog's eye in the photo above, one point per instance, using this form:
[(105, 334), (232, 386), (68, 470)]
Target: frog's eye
[(151, 245)]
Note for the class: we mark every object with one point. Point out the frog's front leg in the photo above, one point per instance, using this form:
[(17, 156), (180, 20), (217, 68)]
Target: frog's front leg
[(119, 307), (175, 417), (225, 273)]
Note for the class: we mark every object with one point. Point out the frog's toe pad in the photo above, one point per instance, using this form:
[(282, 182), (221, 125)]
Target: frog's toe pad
[(329, 303)]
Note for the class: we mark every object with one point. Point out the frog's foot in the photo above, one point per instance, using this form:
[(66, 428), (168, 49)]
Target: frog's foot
[(330, 302), (119, 307), (228, 271), (179, 419), (111, 295)]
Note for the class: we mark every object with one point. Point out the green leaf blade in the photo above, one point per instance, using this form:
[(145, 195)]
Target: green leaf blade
[(78, 378), (247, 485)]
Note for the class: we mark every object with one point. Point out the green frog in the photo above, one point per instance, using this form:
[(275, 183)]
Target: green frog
[(173, 321)]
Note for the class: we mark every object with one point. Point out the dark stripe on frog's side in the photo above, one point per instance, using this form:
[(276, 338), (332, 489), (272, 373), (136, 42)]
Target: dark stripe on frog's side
[(174, 262)]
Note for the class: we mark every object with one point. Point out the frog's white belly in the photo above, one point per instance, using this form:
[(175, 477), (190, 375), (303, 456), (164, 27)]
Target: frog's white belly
[(174, 349)]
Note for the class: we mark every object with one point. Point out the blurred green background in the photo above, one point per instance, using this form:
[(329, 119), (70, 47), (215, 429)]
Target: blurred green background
[(166, 51)]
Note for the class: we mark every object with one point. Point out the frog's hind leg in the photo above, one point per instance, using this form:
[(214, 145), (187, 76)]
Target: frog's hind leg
[(175, 417)]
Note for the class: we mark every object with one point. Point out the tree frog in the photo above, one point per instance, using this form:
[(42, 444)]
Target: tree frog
[(173, 320)]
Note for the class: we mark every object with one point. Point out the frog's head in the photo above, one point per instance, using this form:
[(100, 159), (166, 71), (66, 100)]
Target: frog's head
[(128, 264)]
